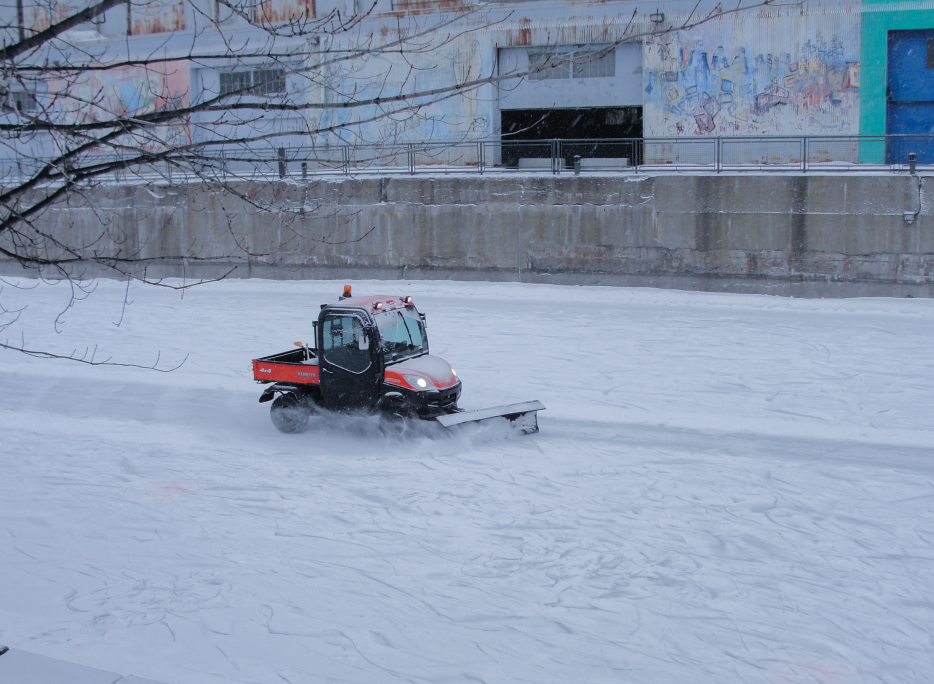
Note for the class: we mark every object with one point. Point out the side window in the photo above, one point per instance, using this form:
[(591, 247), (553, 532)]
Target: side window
[(346, 344)]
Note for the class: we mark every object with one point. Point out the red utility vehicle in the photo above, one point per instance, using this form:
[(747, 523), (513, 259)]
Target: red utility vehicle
[(371, 355)]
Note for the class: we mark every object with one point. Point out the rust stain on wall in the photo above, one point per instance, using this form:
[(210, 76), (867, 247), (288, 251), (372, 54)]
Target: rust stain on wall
[(39, 18), (155, 19), (521, 36), (409, 5), (283, 11)]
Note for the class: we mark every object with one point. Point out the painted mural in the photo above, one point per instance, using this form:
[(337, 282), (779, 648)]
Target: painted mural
[(759, 76), (128, 91)]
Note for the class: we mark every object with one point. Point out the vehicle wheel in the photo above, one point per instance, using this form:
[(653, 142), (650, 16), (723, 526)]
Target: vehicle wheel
[(289, 413), (399, 412)]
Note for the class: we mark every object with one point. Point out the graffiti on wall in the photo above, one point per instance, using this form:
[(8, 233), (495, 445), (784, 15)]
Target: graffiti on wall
[(787, 76)]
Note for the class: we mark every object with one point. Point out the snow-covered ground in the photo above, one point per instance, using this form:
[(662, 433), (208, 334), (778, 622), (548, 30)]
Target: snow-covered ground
[(725, 489)]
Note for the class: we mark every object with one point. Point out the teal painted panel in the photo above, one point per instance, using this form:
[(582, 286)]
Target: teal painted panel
[(876, 25)]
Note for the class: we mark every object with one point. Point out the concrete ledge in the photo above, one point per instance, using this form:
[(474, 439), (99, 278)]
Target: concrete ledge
[(783, 287), (834, 236)]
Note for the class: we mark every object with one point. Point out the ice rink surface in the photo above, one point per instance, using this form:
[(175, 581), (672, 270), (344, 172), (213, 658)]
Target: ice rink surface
[(725, 489)]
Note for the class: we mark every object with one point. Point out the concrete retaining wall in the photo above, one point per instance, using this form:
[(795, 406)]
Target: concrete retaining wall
[(796, 235)]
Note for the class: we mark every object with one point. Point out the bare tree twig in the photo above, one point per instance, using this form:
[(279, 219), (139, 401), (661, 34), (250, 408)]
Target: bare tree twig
[(42, 354)]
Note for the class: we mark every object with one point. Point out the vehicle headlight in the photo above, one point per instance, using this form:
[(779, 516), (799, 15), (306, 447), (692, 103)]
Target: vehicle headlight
[(417, 381)]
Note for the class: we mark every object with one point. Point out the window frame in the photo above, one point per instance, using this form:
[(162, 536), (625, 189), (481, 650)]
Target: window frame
[(605, 63), (257, 87), (569, 67), (18, 97)]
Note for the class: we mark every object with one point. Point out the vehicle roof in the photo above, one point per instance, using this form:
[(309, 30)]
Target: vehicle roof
[(390, 302)]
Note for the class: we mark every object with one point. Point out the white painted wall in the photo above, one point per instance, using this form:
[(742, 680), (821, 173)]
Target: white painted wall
[(622, 90)]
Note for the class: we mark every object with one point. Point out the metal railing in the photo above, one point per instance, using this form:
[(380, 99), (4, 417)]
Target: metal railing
[(805, 154)]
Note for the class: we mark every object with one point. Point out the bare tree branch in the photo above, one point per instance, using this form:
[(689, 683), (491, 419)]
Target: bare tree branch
[(87, 357), (66, 131), (55, 30)]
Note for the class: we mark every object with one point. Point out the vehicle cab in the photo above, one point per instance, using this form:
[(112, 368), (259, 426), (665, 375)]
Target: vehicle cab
[(373, 354)]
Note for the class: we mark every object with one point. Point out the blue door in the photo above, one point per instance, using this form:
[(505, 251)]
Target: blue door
[(910, 101)]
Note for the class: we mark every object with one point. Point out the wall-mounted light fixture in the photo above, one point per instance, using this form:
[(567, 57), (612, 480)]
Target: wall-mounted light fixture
[(657, 18)]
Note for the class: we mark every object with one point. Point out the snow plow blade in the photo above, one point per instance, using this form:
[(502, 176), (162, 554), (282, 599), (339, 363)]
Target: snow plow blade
[(522, 417)]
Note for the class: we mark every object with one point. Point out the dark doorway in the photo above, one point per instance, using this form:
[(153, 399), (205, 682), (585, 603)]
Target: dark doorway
[(529, 132)]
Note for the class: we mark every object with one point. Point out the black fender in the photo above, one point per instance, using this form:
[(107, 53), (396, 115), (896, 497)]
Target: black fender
[(396, 403), (270, 391), (390, 400)]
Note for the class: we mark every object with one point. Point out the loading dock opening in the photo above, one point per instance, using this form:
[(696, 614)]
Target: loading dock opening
[(609, 132)]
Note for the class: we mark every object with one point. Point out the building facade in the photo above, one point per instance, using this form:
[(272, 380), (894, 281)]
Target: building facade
[(602, 70)]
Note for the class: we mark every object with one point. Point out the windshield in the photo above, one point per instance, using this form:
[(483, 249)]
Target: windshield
[(403, 335)]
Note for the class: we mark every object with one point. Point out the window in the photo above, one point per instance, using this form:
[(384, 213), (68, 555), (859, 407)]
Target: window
[(346, 344), (268, 81), (403, 335), (24, 101), (595, 64), (253, 82), (930, 60), (236, 82), (558, 63), (552, 65)]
